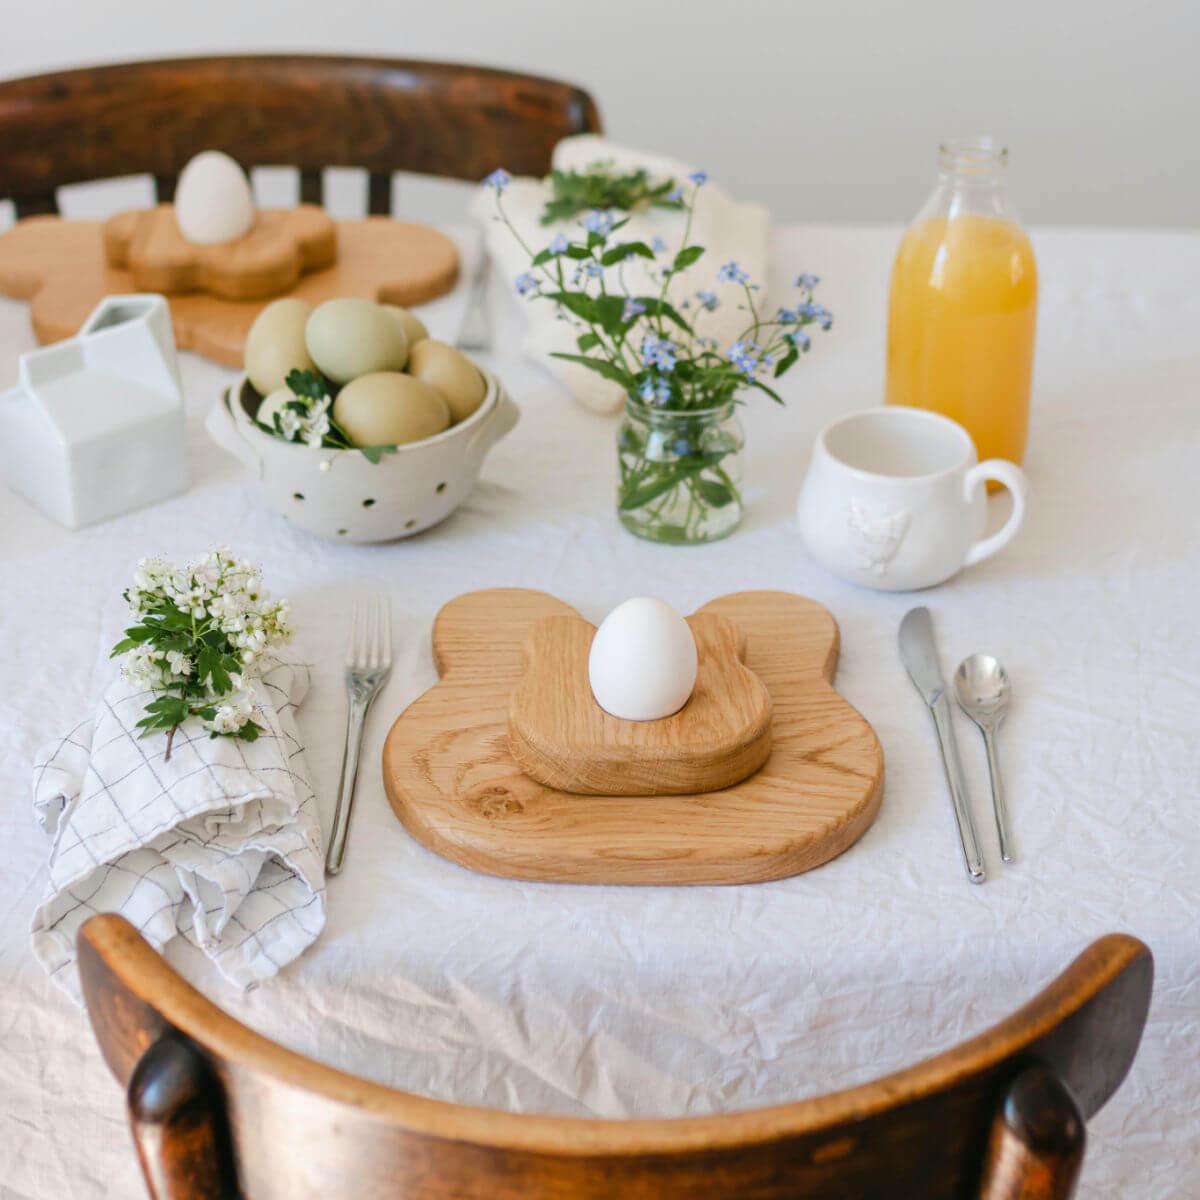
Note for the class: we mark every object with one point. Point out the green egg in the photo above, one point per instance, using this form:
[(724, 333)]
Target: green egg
[(275, 344), (387, 408), (352, 337)]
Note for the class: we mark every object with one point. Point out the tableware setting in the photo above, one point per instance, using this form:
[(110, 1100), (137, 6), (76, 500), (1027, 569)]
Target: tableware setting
[(592, 789), (95, 426), (475, 329), (896, 499), (718, 738), (982, 688), (465, 765), (368, 665), (919, 653)]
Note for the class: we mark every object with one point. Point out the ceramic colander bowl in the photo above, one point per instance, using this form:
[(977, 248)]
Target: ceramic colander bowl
[(339, 494)]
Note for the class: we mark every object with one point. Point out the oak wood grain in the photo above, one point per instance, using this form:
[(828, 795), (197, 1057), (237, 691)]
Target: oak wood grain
[(562, 738), (60, 267), (303, 1129), (453, 781), (281, 245)]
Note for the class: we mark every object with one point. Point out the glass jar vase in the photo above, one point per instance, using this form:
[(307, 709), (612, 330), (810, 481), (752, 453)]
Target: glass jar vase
[(681, 473)]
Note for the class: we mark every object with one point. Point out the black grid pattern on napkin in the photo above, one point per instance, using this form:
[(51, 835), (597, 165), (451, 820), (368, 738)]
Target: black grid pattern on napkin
[(221, 843)]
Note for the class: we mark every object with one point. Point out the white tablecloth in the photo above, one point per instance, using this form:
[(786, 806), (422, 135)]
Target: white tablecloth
[(619, 1001)]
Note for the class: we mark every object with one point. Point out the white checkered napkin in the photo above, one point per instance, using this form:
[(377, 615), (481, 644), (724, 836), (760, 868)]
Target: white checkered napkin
[(221, 842)]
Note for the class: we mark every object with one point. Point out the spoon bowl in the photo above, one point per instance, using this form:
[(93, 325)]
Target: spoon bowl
[(982, 687)]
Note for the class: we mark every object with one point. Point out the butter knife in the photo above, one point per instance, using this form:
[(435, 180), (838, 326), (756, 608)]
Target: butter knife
[(919, 653)]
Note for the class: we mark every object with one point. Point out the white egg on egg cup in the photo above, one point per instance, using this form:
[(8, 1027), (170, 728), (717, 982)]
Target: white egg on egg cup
[(642, 665), (648, 704), (214, 203)]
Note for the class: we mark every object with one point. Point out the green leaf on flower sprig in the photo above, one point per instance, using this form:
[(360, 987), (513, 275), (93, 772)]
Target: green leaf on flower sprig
[(607, 369), (625, 250), (686, 257), (601, 186), (310, 385), (373, 454)]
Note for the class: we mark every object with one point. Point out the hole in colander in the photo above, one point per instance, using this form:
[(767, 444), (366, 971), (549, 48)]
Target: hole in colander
[(409, 523), (297, 495), (342, 532), (368, 503), (441, 487)]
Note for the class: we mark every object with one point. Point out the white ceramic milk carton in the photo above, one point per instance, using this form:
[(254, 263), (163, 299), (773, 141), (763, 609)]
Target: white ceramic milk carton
[(95, 426)]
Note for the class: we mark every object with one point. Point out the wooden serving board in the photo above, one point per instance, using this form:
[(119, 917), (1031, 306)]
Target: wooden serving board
[(453, 782), (282, 245), (59, 266)]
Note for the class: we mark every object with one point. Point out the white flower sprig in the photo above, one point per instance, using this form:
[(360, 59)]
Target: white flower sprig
[(199, 635), (307, 417)]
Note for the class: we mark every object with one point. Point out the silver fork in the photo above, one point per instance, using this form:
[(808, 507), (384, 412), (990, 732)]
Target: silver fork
[(475, 332), (368, 664)]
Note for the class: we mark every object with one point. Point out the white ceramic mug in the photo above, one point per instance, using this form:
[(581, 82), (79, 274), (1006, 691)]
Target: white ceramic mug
[(895, 499)]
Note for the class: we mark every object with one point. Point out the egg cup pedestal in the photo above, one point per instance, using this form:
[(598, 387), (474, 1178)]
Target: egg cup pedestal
[(282, 245), (456, 786), (561, 737)]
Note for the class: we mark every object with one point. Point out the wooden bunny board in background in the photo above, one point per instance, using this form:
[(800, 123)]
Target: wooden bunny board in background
[(59, 266)]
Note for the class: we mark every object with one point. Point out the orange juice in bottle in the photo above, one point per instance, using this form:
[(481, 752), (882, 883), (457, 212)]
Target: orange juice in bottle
[(963, 306)]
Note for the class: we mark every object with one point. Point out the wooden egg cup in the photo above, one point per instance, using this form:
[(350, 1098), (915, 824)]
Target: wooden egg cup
[(452, 778), (282, 245), (561, 737)]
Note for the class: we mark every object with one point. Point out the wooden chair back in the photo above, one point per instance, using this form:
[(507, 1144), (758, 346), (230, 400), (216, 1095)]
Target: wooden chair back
[(218, 1111), (279, 110)]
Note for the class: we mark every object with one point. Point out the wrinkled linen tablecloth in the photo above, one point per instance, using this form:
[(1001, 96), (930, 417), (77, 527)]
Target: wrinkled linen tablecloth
[(621, 1001)]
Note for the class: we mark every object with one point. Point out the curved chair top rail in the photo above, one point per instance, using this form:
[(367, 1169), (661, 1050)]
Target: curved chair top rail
[(1086, 1024), (306, 111)]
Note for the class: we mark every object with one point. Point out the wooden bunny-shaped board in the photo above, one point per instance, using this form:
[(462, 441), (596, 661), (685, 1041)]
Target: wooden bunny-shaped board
[(61, 267), (453, 781)]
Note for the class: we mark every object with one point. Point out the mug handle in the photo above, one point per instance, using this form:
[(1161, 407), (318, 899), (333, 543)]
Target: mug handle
[(1017, 482)]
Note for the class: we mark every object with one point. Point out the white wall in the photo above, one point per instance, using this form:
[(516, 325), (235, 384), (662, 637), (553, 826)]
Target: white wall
[(824, 110)]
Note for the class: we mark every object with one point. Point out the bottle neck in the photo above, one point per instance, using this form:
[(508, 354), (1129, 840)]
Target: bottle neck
[(972, 178)]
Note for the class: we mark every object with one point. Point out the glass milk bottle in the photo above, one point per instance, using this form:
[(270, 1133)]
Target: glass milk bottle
[(963, 303)]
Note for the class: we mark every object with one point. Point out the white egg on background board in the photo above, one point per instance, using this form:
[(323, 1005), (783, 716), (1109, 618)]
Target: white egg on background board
[(213, 200), (642, 664)]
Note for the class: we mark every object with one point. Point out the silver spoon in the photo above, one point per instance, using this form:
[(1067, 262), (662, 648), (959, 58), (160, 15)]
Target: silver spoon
[(981, 685)]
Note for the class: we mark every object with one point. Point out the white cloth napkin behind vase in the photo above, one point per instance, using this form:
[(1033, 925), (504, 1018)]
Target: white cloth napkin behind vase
[(727, 229), (221, 842)]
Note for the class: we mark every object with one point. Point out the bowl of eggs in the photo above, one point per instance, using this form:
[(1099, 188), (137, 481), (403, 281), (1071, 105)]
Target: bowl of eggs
[(358, 426)]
